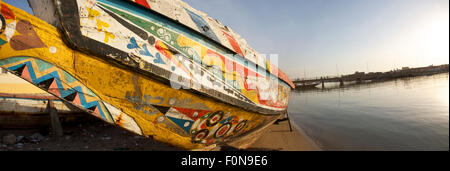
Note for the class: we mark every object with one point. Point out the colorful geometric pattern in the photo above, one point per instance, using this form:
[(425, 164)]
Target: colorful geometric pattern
[(211, 28), (143, 3), (198, 120), (240, 79), (202, 25), (205, 127), (57, 82)]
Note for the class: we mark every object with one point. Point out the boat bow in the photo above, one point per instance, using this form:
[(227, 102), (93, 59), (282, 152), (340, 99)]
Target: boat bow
[(140, 68)]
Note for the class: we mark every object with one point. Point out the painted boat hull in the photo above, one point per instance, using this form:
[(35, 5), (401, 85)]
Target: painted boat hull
[(158, 47), (132, 95)]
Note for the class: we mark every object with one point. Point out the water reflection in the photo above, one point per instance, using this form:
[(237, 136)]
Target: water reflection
[(402, 114)]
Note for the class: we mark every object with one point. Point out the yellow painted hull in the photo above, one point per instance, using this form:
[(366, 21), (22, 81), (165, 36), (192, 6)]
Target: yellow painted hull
[(125, 98)]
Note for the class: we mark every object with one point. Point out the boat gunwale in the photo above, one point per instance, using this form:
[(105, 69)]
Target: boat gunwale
[(71, 29), (288, 82)]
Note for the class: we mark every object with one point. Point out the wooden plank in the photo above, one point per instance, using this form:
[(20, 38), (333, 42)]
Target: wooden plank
[(289, 121)]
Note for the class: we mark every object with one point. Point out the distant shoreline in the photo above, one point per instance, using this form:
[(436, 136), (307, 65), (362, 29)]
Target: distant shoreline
[(374, 76), (355, 83)]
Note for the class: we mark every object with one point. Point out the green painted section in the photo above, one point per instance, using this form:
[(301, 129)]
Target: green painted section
[(90, 93), (171, 38), (42, 65), (12, 60), (2, 42), (146, 25), (69, 78), (162, 33), (165, 35)]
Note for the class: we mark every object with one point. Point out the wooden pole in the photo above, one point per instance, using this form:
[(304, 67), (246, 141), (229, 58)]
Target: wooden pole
[(323, 84), (289, 121), (56, 124)]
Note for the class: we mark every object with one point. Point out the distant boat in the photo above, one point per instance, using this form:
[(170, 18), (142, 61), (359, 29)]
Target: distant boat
[(30, 111), (160, 69), (306, 86), (24, 106)]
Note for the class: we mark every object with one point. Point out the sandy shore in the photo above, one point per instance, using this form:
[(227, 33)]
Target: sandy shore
[(278, 137), (96, 135)]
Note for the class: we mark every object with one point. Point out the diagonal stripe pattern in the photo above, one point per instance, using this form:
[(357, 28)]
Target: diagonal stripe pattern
[(57, 82)]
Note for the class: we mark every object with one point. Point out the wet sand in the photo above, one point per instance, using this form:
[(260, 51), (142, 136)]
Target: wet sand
[(279, 137)]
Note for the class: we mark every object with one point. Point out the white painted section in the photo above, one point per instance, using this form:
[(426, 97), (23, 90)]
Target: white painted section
[(123, 119)]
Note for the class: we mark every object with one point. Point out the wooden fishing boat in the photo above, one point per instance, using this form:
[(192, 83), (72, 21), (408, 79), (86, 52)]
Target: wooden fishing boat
[(22, 105), (307, 85), (31, 111), (160, 69)]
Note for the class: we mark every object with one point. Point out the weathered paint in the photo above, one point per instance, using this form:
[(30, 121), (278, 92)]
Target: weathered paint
[(45, 10), (57, 82), (164, 48), (134, 101), (183, 13)]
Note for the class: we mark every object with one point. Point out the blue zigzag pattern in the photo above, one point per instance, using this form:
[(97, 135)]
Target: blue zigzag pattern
[(64, 93)]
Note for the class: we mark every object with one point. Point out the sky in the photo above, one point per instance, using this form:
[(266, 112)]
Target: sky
[(316, 38)]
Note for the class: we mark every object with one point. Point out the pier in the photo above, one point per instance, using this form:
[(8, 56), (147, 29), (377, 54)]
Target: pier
[(359, 77)]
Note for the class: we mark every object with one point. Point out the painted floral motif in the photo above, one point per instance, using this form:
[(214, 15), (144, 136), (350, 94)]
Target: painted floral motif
[(202, 126)]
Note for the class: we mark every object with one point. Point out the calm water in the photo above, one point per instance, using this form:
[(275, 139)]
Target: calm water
[(405, 114)]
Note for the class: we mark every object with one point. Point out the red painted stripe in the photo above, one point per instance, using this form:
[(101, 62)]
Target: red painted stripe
[(6, 12), (274, 70), (190, 112), (143, 3), (283, 76), (234, 44), (243, 71), (161, 47)]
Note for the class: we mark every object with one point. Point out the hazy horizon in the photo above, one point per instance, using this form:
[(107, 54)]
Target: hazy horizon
[(326, 38), (314, 37)]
